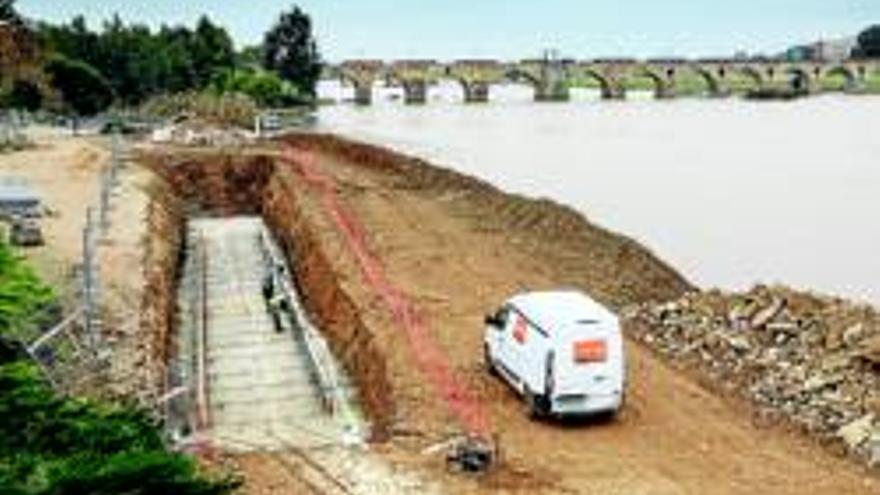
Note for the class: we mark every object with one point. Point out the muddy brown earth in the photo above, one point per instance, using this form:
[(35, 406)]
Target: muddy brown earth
[(458, 247)]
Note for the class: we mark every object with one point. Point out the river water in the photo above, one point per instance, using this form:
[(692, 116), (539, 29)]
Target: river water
[(732, 193)]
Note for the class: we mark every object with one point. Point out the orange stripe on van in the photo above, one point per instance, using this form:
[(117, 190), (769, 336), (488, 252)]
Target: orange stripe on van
[(520, 330), (590, 351)]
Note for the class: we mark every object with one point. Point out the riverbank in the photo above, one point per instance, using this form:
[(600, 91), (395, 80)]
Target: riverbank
[(458, 246)]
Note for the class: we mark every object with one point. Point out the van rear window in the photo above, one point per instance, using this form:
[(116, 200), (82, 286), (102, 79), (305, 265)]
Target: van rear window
[(590, 351)]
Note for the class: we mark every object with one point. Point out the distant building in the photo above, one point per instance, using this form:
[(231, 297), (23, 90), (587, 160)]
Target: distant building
[(803, 53), (834, 50), (822, 51)]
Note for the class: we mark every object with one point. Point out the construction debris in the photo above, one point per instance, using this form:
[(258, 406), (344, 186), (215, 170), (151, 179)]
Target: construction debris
[(195, 134), (810, 359), (471, 454)]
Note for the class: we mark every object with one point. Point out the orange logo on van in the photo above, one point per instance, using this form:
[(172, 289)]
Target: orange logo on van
[(520, 330), (590, 351)]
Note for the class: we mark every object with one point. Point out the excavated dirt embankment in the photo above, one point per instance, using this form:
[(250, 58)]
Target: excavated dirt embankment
[(350, 338), (615, 268), (457, 247), (163, 244), (223, 185)]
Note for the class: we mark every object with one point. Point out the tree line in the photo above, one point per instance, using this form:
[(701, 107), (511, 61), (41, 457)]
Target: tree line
[(86, 70), (868, 43)]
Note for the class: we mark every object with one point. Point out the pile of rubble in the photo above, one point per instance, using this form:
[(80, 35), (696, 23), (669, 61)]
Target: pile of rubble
[(192, 134), (812, 360)]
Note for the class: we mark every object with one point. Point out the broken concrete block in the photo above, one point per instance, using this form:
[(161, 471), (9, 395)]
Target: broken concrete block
[(858, 432), (769, 313)]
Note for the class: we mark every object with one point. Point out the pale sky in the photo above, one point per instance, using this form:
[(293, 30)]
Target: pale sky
[(509, 29)]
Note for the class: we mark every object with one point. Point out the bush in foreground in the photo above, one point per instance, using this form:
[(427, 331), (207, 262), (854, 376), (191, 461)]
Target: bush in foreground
[(56, 446)]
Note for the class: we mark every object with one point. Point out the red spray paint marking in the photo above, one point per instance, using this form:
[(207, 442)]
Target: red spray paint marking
[(430, 359)]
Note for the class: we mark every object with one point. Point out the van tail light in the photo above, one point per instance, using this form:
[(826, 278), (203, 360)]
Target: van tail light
[(590, 351)]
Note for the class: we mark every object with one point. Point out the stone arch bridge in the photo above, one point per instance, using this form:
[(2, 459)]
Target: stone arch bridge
[(553, 79)]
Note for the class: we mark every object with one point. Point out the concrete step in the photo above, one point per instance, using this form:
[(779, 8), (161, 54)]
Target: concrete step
[(259, 392), (284, 351), (261, 389), (276, 412)]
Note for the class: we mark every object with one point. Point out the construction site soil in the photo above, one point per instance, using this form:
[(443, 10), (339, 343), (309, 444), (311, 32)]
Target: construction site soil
[(457, 247)]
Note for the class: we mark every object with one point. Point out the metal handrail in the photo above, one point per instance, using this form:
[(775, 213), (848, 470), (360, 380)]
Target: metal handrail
[(328, 380)]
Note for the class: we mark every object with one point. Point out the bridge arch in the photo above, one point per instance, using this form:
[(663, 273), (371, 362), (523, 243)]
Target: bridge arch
[(517, 75), (363, 88), (346, 77), (800, 78), (849, 76), (608, 86), (754, 74), (473, 90), (661, 78), (713, 81)]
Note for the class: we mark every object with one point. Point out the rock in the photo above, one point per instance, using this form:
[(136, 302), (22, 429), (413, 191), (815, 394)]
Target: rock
[(783, 327), (869, 350), (853, 334), (834, 339), (835, 362), (820, 381), (858, 432), (814, 361), (740, 343), (740, 314), (768, 314), (874, 449)]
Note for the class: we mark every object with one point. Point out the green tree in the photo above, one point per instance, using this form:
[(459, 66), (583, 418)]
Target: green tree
[(265, 88), (129, 61), (177, 72), (83, 89), (290, 49), (8, 12), (868, 45), (250, 58), (24, 95), (212, 50), (51, 445)]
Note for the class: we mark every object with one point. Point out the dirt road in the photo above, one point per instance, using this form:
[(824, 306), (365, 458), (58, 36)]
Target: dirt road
[(458, 256), (65, 173)]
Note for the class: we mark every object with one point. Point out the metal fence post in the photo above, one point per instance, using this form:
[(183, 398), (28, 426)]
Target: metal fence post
[(91, 284)]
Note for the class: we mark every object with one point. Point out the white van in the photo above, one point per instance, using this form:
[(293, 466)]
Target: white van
[(562, 351)]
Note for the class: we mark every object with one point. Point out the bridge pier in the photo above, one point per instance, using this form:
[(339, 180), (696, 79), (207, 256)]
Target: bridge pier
[(665, 91), (363, 93), (617, 92), (557, 91), (476, 92), (855, 85), (720, 92), (415, 92)]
